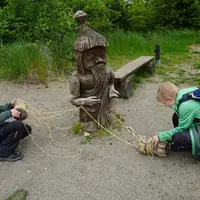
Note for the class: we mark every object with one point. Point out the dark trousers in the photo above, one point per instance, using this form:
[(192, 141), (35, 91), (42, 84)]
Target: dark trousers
[(10, 135), (180, 141)]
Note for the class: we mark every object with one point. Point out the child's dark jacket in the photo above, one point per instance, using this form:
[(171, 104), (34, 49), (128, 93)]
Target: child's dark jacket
[(5, 112)]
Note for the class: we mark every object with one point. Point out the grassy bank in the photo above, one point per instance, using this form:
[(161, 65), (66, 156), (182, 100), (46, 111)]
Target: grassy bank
[(126, 46), (20, 60)]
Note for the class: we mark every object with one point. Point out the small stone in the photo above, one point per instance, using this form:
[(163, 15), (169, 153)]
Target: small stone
[(86, 134)]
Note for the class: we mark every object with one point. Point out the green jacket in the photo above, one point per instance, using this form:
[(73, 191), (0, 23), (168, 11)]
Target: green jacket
[(5, 112), (187, 112)]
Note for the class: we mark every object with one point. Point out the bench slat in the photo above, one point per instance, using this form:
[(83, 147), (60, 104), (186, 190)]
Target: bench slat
[(132, 66)]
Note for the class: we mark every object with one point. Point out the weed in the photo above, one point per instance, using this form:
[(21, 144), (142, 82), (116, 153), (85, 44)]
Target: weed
[(88, 139), (196, 65), (18, 195), (119, 117), (196, 52), (76, 129), (102, 132)]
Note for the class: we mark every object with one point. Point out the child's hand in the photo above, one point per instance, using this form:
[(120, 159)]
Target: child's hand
[(14, 102), (15, 113), (155, 139)]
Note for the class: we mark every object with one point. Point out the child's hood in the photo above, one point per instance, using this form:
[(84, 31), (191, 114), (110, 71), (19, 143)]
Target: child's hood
[(181, 93)]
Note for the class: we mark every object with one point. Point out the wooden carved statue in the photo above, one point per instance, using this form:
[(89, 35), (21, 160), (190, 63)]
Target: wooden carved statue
[(92, 84)]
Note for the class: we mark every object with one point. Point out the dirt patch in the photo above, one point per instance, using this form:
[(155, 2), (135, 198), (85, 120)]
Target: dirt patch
[(187, 72), (195, 48)]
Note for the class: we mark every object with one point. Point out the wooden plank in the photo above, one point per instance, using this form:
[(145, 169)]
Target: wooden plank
[(132, 66)]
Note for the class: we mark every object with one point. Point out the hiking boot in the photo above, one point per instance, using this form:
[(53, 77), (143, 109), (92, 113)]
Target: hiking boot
[(161, 149), (145, 145), (16, 155)]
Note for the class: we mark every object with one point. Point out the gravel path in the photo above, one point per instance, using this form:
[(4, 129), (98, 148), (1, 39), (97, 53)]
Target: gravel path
[(107, 169)]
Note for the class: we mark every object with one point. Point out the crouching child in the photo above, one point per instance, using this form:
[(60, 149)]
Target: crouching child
[(185, 136), (11, 132)]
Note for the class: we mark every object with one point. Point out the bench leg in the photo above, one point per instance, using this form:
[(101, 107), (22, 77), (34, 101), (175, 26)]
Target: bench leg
[(126, 88), (151, 67)]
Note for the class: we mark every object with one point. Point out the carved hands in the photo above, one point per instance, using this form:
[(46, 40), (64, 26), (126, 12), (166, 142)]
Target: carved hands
[(112, 92), (89, 101)]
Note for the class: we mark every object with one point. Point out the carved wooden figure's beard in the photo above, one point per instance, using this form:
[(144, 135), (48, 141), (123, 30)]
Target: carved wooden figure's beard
[(94, 63)]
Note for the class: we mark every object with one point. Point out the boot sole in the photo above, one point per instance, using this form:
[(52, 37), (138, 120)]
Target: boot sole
[(11, 160)]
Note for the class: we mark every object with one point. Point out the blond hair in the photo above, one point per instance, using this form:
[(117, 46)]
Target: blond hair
[(166, 90)]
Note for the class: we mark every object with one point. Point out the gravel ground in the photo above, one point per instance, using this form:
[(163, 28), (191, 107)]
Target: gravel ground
[(107, 169)]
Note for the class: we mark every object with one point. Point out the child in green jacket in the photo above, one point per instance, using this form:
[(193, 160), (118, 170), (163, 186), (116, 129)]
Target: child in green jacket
[(186, 119), (11, 132)]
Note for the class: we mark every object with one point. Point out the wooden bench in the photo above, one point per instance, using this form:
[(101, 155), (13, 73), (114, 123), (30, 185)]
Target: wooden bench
[(124, 76)]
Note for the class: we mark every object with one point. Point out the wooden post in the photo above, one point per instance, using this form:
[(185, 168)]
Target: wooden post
[(157, 52)]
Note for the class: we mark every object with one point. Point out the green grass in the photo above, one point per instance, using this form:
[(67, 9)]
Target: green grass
[(21, 60), (185, 72), (17, 61), (176, 55), (197, 65), (125, 46)]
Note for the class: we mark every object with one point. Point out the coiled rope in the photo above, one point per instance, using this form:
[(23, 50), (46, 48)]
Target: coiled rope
[(145, 147), (21, 106), (137, 139)]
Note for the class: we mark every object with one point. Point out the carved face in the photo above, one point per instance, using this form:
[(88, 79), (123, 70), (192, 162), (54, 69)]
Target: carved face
[(95, 57)]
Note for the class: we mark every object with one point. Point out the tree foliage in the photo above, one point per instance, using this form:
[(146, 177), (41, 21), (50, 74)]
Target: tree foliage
[(51, 20), (176, 13)]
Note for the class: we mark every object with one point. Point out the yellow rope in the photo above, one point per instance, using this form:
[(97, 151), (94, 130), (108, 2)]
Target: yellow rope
[(72, 109), (52, 140), (130, 130), (149, 146), (52, 156), (141, 146), (21, 104)]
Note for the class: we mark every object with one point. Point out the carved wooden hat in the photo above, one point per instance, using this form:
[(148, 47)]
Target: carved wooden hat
[(88, 38)]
